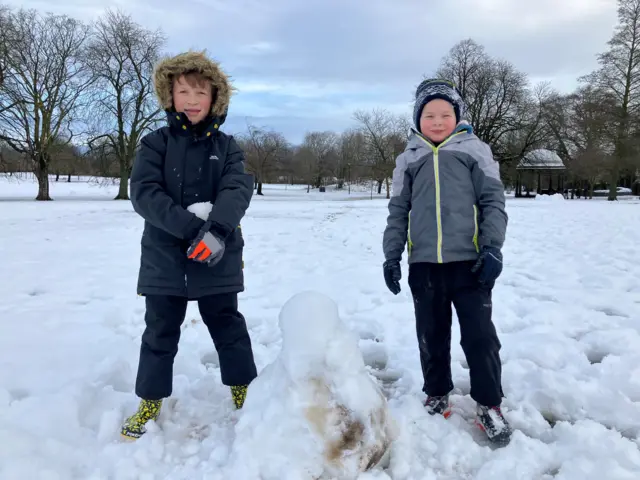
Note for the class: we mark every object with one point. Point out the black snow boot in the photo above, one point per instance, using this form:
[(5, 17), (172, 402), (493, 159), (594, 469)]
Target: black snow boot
[(494, 425), (438, 405)]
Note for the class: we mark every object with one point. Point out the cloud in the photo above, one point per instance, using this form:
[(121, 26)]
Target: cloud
[(316, 61)]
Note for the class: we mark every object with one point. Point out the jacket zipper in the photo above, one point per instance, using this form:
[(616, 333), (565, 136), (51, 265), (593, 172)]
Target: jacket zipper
[(409, 242), (475, 228), (436, 173), (182, 183)]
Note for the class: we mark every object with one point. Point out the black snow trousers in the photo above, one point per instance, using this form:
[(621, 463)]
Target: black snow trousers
[(435, 287), (163, 318)]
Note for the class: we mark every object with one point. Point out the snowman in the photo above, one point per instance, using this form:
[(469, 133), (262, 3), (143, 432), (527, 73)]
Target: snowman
[(314, 412)]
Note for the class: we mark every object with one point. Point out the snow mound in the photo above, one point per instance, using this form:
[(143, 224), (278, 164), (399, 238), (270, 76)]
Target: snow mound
[(315, 403), (558, 197), (201, 209)]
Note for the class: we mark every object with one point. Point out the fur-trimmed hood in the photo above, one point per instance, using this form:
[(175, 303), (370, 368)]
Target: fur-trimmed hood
[(170, 68)]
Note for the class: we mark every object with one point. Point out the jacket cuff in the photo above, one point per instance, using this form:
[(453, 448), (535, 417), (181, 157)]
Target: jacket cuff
[(219, 231), (193, 228)]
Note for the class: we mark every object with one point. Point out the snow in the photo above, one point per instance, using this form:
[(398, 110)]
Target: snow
[(201, 209), (541, 159), (556, 197), (567, 309)]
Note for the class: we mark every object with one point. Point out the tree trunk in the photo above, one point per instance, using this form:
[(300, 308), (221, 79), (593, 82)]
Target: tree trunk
[(379, 187), (42, 174), (259, 192), (69, 178), (57, 177), (123, 191), (613, 184), (388, 188)]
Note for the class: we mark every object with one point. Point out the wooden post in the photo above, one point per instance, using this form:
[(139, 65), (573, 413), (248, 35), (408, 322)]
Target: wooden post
[(539, 188)]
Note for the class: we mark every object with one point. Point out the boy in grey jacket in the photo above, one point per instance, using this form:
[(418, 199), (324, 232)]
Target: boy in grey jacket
[(448, 207)]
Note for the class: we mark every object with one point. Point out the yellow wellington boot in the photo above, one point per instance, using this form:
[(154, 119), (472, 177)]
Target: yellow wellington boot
[(133, 427), (239, 393)]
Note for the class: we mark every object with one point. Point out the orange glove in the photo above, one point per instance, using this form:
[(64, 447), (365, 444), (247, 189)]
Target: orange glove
[(206, 248)]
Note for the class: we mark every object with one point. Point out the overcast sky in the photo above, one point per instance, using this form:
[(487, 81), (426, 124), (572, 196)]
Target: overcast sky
[(304, 65)]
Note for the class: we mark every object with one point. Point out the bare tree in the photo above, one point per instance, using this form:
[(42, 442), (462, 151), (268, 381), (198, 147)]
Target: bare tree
[(66, 160), (495, 92), (103, 159), (122, 55), (320, 153), (619, 74), (352, 154), (46, 79), (5, 40), (582, 130), (385, 138), (264, 149), (5, 44), (304, 164), (534, 131), (285, 169), (558, 115), (593, 135)]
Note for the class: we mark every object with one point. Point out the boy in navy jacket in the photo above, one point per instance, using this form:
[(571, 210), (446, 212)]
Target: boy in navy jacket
[(184, 257)]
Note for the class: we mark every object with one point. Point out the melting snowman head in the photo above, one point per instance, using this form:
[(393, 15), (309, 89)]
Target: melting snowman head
[(309, 322)]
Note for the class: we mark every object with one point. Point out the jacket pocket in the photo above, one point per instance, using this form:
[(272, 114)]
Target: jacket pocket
[(235, 241)]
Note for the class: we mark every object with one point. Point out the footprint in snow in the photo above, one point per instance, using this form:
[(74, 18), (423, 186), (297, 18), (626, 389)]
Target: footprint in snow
[(374, 354), (595, 356), (376, 358), (17, 394), (543, 297), (368, 335), (210, 359), (611, 312)]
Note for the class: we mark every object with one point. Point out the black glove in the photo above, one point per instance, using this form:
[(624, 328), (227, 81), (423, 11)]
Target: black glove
[(489, 265), (392, 275)]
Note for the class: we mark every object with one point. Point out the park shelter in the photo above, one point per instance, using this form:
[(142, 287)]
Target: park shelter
[(541, 171)]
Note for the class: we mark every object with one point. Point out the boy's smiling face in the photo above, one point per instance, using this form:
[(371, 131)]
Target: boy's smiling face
[(193, 97), (438, 120)]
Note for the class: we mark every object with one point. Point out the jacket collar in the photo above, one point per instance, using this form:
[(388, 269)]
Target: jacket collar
[(418, 140), (208, 127)]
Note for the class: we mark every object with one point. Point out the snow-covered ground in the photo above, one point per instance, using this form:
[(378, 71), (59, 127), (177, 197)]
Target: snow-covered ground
[(567, 309)]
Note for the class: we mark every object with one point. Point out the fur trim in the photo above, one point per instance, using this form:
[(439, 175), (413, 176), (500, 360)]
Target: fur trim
[(170, 68)]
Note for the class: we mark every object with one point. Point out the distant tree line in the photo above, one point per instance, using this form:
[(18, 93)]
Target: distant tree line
[(76, 98)]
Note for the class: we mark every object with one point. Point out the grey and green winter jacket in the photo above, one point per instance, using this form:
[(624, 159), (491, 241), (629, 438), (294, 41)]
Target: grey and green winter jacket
[(447, 201)]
